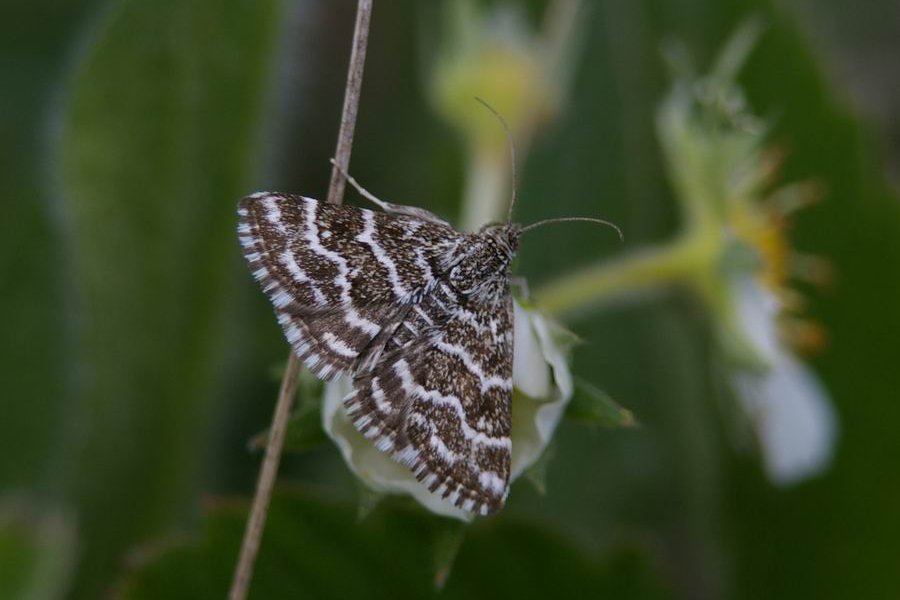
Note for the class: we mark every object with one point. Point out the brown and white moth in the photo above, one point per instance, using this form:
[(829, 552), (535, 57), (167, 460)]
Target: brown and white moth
[(418, 314)]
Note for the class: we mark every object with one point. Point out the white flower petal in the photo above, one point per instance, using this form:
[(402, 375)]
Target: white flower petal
[(793, 417), (758, 309), (555, 352), (791, 411), (374, 467), (535, 417), (531, 373)]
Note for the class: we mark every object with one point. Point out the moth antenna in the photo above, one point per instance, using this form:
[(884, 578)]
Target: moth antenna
[(565, 219), (512, 153)]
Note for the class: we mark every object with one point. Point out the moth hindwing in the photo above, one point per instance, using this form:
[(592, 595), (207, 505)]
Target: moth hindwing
[(417, 313)]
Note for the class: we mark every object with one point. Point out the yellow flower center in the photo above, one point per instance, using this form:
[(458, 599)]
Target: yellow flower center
[(764, 231), (763, 228)]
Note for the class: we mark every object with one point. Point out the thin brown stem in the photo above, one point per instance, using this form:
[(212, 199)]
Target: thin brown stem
[(268, 472), (351, 101)]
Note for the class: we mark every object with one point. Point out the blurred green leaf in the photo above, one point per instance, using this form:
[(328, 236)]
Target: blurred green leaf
[(34, 347), (317, 549), (37, 551), (159, 135), (592, 406)]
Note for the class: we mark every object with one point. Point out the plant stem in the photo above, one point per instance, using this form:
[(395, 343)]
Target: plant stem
[(351, 101), (256, 522), (267, 474), (612, 280), (487, 179)]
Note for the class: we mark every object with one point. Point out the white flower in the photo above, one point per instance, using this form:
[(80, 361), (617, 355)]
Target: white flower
[(741, 262), (543, 388), (788, 407), (543, 385)]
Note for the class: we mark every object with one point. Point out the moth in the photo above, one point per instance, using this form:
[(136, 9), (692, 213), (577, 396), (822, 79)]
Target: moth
[(419, 314)]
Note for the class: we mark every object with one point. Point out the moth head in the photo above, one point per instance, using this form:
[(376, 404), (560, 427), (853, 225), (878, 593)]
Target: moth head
[(504, 238), (483, 259)]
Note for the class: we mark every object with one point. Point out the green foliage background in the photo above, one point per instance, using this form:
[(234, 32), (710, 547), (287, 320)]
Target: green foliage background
[(137, 354)]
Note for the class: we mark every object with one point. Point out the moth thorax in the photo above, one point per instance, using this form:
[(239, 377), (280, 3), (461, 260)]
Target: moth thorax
[(484, 260)]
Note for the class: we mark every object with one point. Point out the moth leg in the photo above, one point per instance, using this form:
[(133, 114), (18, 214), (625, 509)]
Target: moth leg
[(360, 189), (372, 353), (397, 209)]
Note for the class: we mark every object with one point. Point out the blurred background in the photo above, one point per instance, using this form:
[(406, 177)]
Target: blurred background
[(139, 358)]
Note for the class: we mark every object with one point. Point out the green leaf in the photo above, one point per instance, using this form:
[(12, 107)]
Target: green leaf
[(158, 140), (367, 500), (448, 541), (316, 548), (37, 551), (35, 345), (592, 406)]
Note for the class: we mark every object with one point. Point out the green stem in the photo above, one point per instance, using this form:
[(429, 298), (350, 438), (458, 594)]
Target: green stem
[(642, 271), (487, 179)]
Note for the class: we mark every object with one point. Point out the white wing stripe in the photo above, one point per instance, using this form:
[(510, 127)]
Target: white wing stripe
[(367, 237), (338, 346), (288, 260), (381, 402), (487, 382), (351, 316), (273, 214), (401, 368)]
